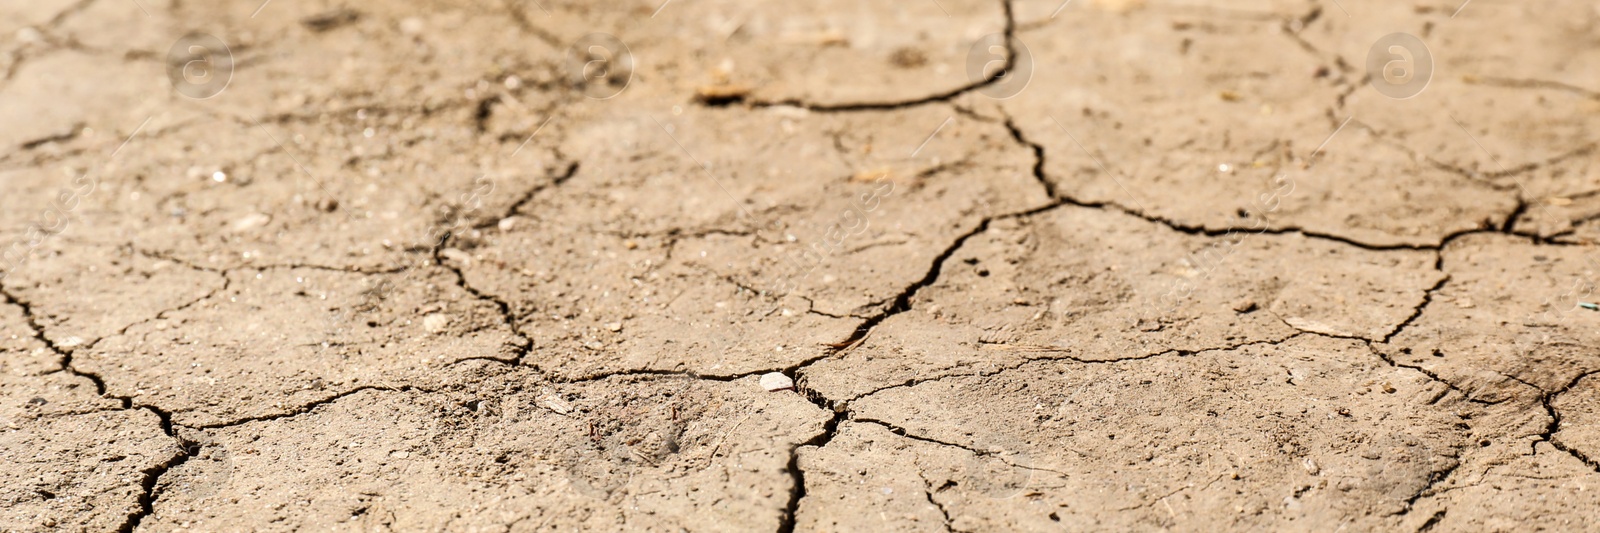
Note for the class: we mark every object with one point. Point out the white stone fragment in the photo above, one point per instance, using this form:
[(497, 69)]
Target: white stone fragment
[(435, 323), (250, 222), (411, 26), (776, 381), (457, 255), (1311, 466), (555, 403)]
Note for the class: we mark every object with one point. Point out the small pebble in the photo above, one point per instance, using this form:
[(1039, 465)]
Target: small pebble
[(457, 256), (29, 35), (555, 403), (435, 323), (251, 221), (411, 26), (776, 381)]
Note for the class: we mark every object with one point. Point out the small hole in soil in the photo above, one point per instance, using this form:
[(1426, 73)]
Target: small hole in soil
[(983, 273)]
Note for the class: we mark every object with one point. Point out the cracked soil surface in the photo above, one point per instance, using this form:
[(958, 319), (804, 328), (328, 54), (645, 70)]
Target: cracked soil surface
[(526, 265)]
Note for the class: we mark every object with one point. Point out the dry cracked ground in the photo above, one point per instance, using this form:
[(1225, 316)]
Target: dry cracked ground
[(531, 265)]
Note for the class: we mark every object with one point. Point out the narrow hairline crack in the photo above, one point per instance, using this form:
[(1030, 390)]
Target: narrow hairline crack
[(1009, 34), (308, 407), (1046, 359), (927, 491)]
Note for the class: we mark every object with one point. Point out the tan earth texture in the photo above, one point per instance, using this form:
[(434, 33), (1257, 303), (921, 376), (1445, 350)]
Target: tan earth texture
[(838, 265)]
